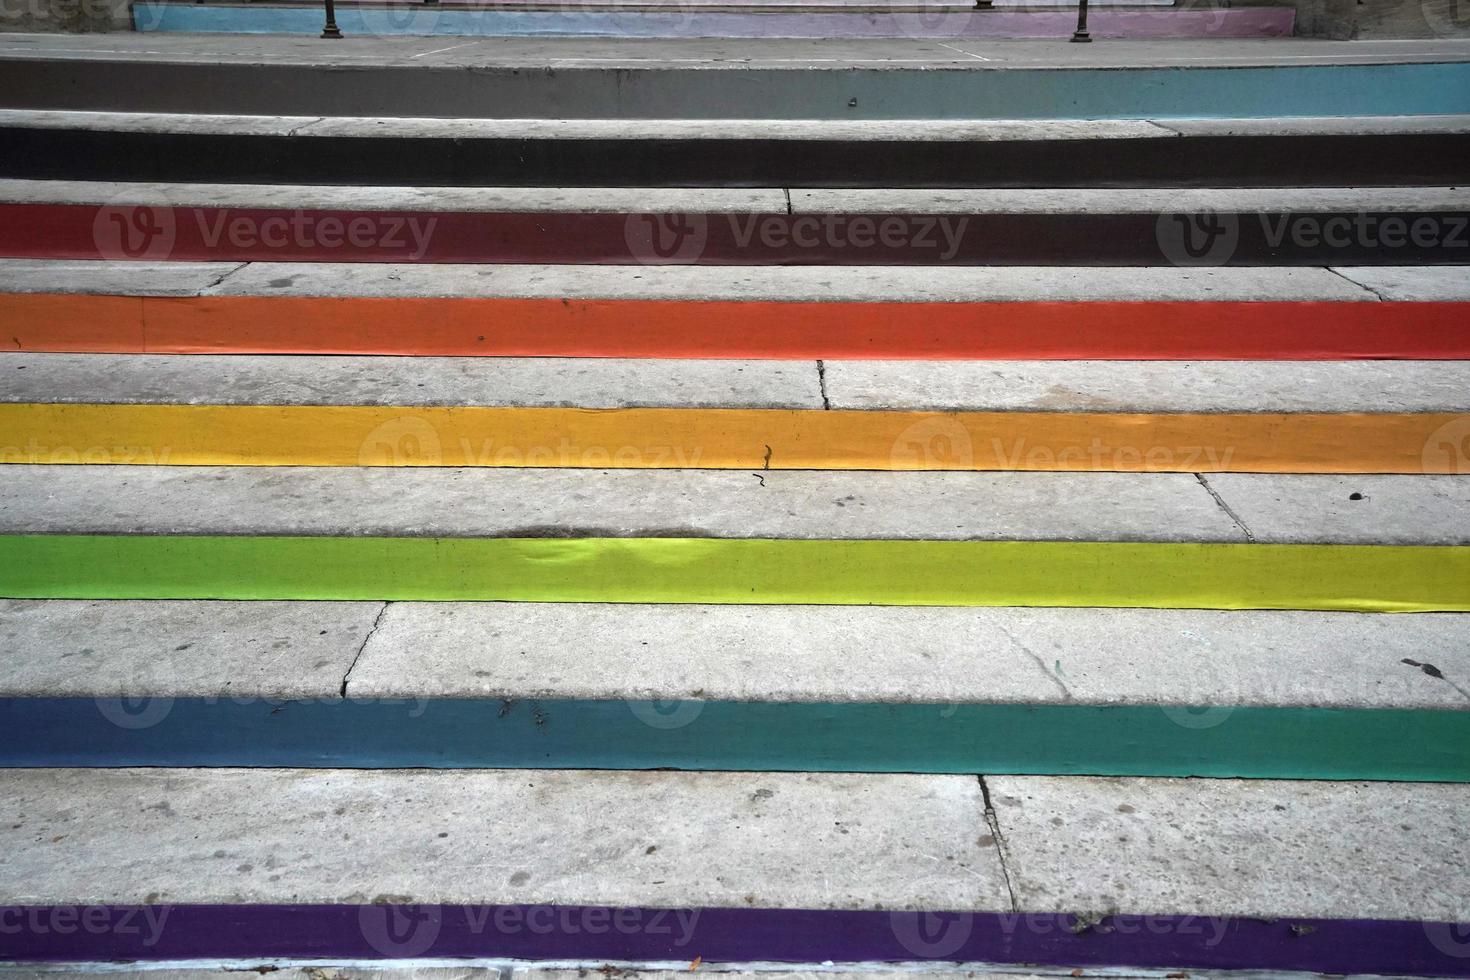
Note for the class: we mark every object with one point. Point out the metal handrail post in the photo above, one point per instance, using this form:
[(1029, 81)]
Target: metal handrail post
[(330, 28), (1080, 34)]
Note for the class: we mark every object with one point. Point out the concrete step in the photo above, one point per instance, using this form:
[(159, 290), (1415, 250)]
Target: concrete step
[(1094, 387), (447, 685), (829, 312), (1352, 151), (534, 865), (824, 538), (1194, 417), (551, 20), (510, 502), (691, 78), (1392, 226), (759, 440)]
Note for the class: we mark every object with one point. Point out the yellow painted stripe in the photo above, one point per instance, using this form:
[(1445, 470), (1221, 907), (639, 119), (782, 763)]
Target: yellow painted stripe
[(1366, 578), (313, 435)]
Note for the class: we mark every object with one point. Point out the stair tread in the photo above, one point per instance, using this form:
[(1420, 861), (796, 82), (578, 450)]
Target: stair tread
[(527, 651), (564, 837), (611, 383), (742, 55), (725, 200), (880, 130), (771, 283), (649, 839), (495, 502)]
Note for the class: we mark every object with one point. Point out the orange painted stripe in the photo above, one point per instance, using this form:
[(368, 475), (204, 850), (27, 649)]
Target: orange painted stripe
[(722, 438), (745, 329)]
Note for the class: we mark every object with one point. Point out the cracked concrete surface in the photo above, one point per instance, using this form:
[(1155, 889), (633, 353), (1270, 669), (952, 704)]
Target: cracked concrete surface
[(693, 652)]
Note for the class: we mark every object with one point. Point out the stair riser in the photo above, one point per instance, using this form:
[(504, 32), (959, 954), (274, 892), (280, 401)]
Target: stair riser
[(1229, 238), (1190, 161), (1351, 578), (732, 439), (738, 93), (480, 326), (1238, 741), (563, 932)]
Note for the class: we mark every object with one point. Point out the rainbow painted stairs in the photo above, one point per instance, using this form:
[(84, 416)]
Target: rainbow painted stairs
[(919, 533)]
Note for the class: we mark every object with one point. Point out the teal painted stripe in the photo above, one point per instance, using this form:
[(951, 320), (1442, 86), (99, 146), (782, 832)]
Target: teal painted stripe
[(1057, 739), (1037, 93)]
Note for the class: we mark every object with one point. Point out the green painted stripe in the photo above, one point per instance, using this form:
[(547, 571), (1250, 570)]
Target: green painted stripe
[(957, 573), (1054, 739)]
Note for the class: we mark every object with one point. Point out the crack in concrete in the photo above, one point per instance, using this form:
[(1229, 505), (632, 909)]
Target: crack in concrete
[(296, 129), (992, 820), (822, 385), (1361, 285), (790, 209), (1051, 675), (1229, 511), (1168, 129), (221, 278), (1433, 671), (377, 621)]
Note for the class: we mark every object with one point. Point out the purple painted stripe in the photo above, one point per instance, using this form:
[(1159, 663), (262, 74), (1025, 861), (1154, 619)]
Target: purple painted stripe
[(38, 933)]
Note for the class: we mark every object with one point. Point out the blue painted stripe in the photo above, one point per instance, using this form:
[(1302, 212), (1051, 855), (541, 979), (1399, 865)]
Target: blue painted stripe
[(1015, 93), (1303, 743), (431, 19)]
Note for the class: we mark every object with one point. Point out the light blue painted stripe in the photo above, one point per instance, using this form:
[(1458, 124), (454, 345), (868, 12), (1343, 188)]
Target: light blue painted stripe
[(1057, 739), (1441, 88), (432, 19)]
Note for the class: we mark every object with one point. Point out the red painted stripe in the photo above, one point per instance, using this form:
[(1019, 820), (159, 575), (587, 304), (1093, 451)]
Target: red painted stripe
[(757, 329), (571, 237)]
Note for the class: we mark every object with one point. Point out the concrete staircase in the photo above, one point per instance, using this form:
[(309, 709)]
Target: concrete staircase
[(913, 19), (575, 587)]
